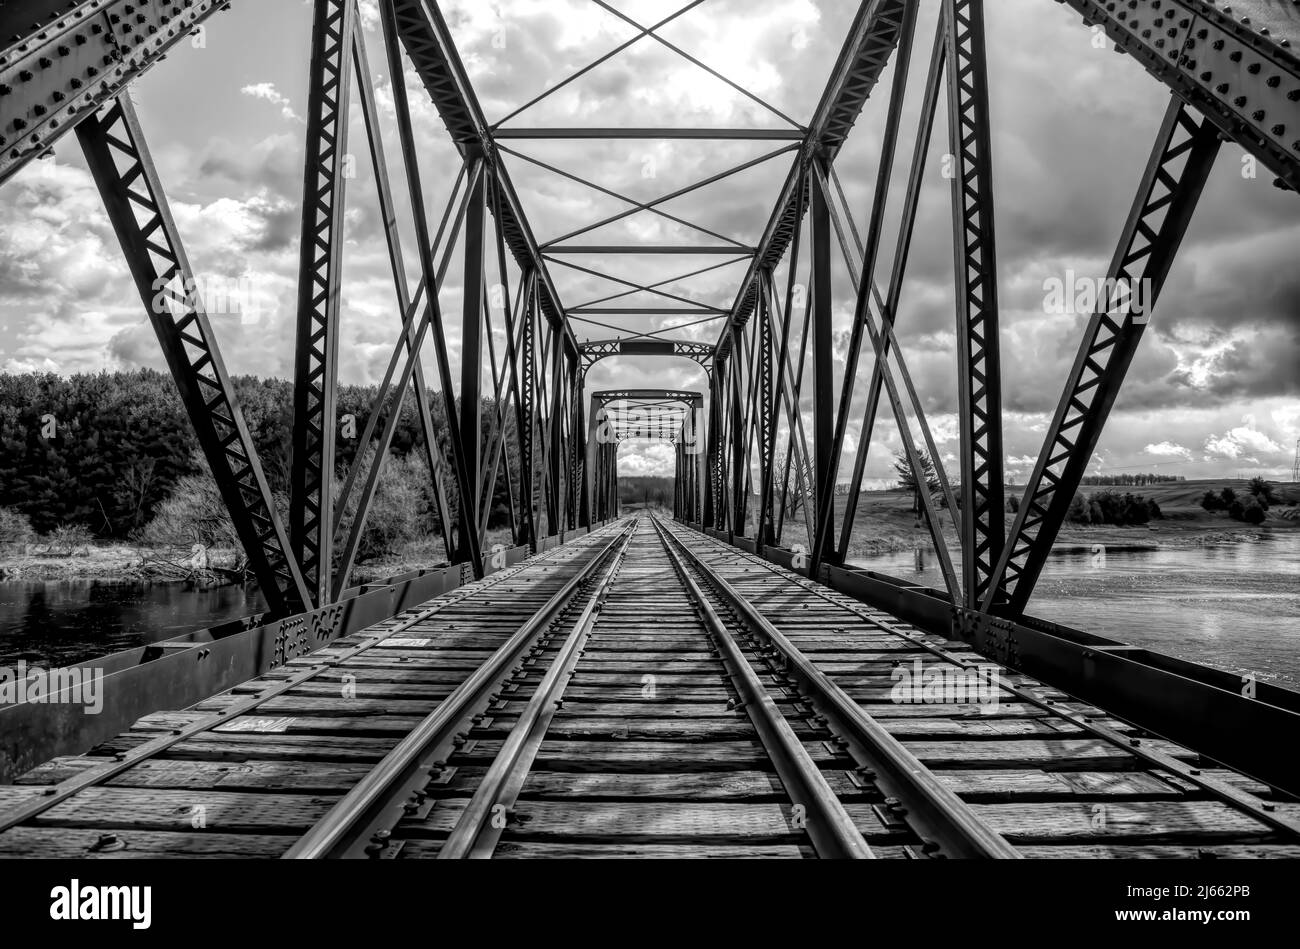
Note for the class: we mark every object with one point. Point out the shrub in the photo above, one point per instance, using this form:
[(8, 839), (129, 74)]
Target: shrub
[(194, 513), (1226, 497), (400, 511), (1235, 510), (1078, 510), (69, 538), (15, 528), (1253, 514), (1211, 502)]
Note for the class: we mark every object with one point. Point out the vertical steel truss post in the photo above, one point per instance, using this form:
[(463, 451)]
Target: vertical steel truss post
[(739, 461), (589, 448), (123, 169), (543, 435), (528, 411), (826, 464), (681, 485), (979, 374), (464, 488), (471, 364), (694, 455), (555, 432), (497, 436), (773, 406), (713, 444), (764, 534), (576, 451), (315, 376), (1176, 173)]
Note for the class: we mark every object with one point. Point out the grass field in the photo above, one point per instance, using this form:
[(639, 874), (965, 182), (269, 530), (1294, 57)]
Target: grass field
[(885, 521)]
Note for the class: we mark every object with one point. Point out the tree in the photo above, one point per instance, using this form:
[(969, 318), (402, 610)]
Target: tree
[(1212, 502), (1078, 510), (1261, 491), (1254, 513), (1236, 510), (15, 528), (1135, 510), (799, 486), (907, 478), (1226, 497)]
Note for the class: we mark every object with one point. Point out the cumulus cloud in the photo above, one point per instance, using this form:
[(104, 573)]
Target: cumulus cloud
[(267, 91), (1168, 450), (1243, 442), (639, 458), (1224, 338)]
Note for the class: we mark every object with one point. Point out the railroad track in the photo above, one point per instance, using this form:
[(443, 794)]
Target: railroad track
[(644, 691), (248, 771)]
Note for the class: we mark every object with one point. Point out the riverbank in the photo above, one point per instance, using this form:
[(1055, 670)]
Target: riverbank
[(108, 562), (1085, 539), (885, 523), (135, 563)]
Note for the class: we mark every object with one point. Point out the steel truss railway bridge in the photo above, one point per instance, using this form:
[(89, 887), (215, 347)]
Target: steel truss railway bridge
[(619, 683)]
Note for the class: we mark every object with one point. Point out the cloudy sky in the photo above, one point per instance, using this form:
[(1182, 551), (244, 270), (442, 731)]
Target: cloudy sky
[(1213, 390)]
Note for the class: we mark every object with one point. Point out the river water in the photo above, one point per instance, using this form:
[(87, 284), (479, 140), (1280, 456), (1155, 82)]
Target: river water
[(62, 622), (1235, 607)]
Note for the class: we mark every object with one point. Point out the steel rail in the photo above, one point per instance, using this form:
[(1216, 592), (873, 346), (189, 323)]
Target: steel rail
[(829, 825), (1218, 788), (476, 832), (943, 819), (365, 814), (58, 793)]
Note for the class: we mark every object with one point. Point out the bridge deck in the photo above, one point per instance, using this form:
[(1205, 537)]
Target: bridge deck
[(637, 711)]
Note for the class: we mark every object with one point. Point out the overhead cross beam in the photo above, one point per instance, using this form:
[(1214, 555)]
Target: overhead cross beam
[(59, 71), (1237, 64)]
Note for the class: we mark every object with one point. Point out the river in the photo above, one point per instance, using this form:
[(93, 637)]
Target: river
[(61, 622), (1235, 607)]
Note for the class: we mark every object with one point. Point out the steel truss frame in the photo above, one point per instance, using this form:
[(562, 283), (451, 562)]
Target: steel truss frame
[(616, 415), (762, 468), (535, 392), (773, 365)]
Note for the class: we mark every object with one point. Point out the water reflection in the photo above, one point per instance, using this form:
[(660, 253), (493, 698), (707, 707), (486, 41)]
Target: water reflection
[(67, 621)]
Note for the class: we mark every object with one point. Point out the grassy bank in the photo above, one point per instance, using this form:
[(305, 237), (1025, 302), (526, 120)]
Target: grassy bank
[(134, 562), (100, 561), (885, 522)]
